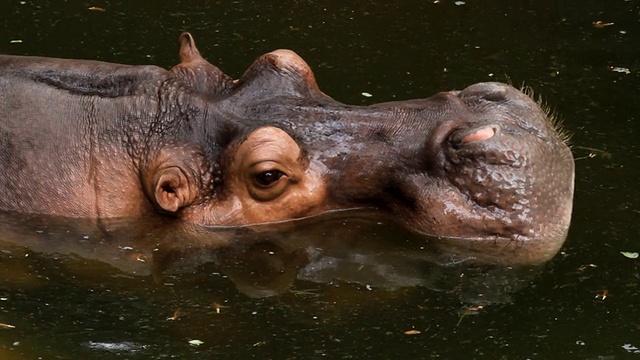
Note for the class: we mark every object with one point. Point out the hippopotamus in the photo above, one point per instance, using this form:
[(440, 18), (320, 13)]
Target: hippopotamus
[(86, 139)]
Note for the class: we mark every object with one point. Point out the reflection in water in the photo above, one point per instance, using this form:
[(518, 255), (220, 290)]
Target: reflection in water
[(267, 260)]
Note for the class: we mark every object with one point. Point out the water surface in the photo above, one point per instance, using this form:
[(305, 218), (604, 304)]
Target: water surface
[(83, 297)]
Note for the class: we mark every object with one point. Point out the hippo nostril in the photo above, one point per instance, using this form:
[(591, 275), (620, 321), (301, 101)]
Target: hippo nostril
[(495, 96), (494, 92), (476, 134), (480, 135)]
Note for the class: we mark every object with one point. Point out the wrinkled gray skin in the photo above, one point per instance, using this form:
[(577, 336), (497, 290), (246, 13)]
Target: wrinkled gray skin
[(483, 169)]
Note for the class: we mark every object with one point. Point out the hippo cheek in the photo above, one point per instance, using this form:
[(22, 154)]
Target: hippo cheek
[(440, 209)]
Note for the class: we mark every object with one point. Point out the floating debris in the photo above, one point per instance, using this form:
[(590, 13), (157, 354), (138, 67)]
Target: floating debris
[(412, 332), (217, 307), (196, 342), (305, 292), (593, 153), (15, 41), (601, 295), (631, 348), (623, 70), (599, 24), (141, 258), (630, 255), (175, 316), (125, 346), (366, 94), (472, 310), (6, 326), (584, 267), (95, 8)]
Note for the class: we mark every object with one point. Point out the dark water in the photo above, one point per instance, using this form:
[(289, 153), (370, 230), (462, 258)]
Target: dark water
[(76, 291)]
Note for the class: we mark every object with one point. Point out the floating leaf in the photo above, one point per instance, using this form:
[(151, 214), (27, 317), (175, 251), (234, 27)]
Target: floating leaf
[(631, 348), (175, 316), (195, 342), (412, 332), (630, 255), (366, 94), (95, 8), (6, 326), (623, 70), (599, 24)]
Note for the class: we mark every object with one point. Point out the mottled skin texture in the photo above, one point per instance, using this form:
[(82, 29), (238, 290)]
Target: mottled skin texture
[(482, 167)]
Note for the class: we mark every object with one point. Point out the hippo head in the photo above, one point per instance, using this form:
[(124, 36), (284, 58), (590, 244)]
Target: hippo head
[(483, 163)]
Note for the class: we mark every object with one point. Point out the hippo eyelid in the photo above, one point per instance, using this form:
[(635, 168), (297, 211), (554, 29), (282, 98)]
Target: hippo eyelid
[(260, 167)]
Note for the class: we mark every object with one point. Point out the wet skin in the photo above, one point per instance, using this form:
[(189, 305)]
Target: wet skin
[(480, 168)]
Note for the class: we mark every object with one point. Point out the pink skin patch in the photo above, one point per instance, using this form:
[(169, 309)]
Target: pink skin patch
[(480, 135)]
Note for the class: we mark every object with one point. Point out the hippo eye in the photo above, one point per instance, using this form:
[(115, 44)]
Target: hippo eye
[(268, 178)]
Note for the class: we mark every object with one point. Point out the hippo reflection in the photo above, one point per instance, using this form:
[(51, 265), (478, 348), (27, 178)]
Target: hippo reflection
[(482, 167), (355, 247)]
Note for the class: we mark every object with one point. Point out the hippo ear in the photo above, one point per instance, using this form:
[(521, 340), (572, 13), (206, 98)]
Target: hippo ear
[(198, 74), (171, 189), (188, 50)]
